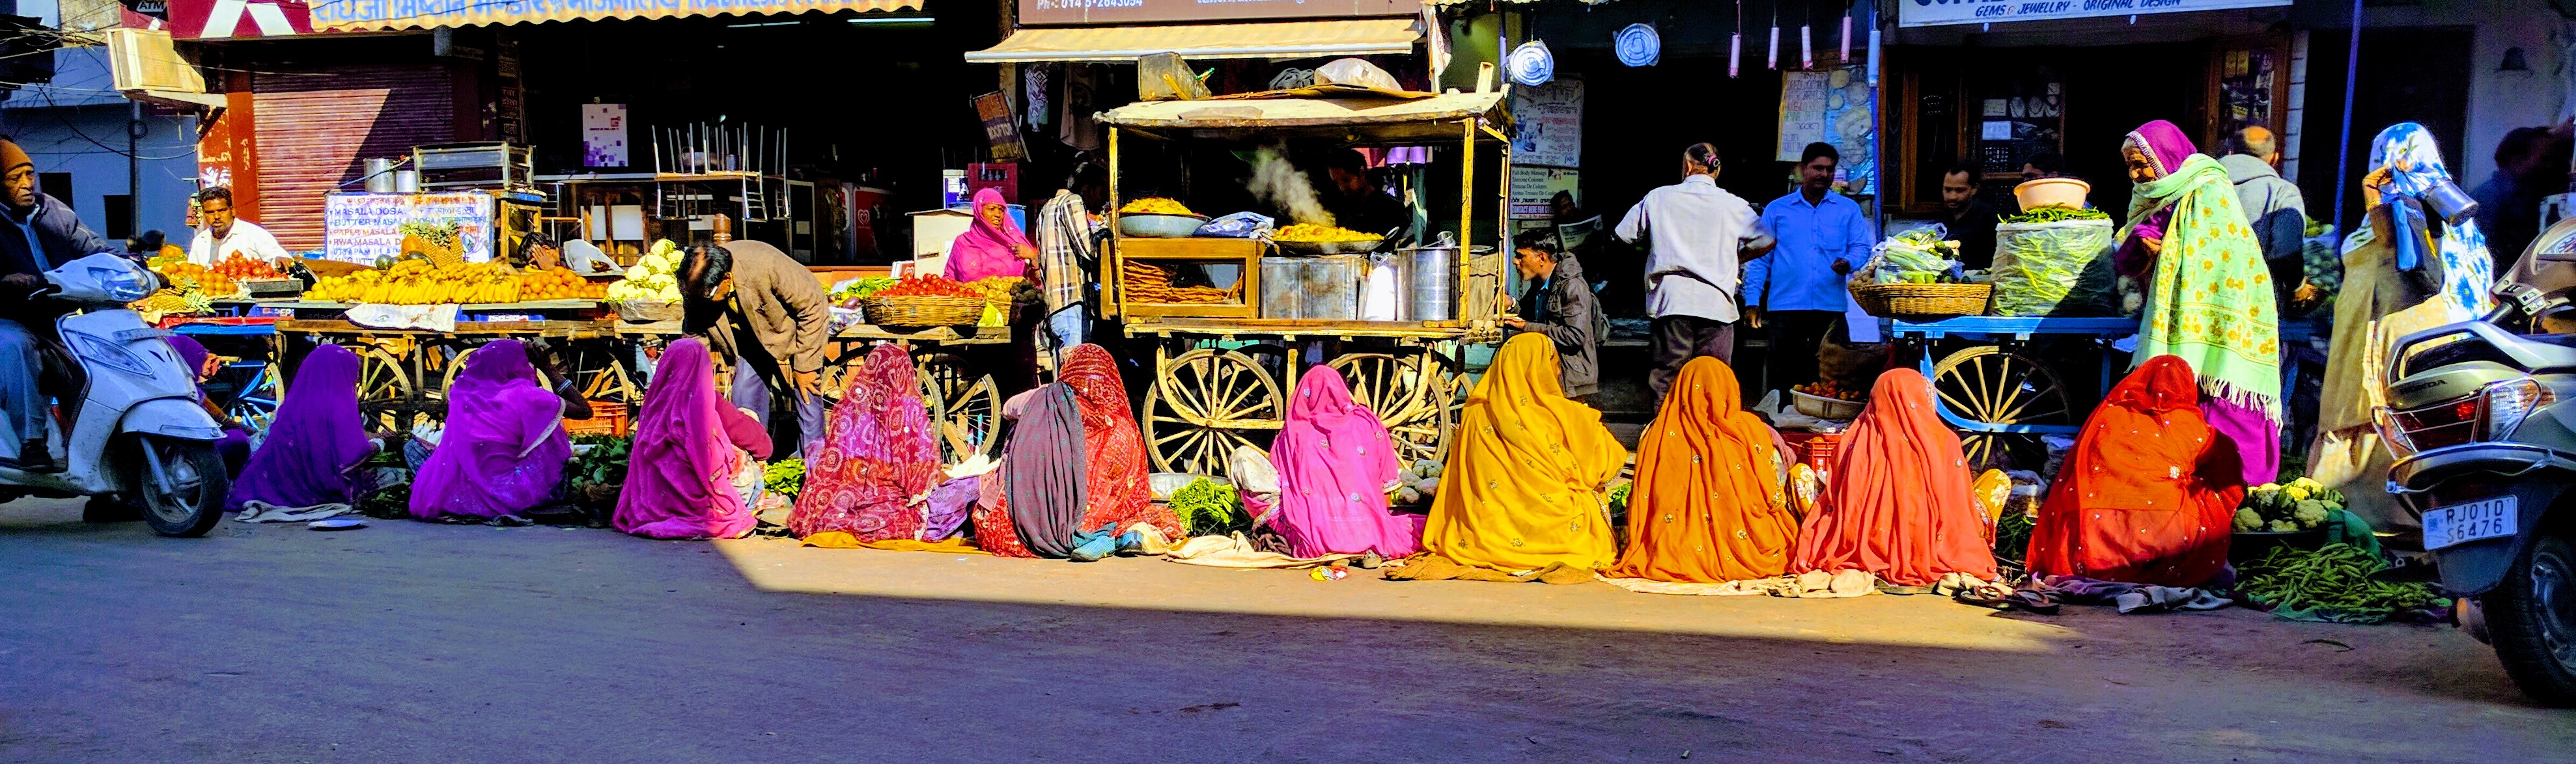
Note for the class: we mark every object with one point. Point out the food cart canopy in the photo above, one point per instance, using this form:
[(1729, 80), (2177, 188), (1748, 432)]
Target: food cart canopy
[(1279, 39), (390, 15), (1368, 119)]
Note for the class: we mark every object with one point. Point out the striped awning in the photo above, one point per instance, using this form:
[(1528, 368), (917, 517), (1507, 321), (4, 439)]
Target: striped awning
[(388, 15), (1279, 39)]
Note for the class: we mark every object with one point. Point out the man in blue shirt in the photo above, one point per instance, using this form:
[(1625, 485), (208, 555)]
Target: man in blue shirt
[(1797, 290)]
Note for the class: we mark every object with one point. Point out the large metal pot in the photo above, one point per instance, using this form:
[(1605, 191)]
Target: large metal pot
[(1428, 277)]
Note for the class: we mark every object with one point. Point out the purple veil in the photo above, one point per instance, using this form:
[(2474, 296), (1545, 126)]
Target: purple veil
[(316, 440), (504, 448)]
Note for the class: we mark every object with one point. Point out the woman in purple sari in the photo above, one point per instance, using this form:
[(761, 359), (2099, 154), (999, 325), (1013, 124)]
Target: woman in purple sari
[(311, 454), (504, 448), (679, 482)]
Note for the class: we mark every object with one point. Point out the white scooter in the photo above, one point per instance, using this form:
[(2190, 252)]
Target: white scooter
[(138, 434)]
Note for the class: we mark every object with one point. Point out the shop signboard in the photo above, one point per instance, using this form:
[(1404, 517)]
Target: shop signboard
[(1112, 12), (359, 228), (994, 110), (603, 135), (1928, 13), (1534, 189), (1835, 106), (1549, 120)]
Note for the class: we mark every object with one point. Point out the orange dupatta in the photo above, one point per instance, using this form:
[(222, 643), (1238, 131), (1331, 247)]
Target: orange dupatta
[(1708, 506), (2149, 493), (1899, 503), (1523, 487)]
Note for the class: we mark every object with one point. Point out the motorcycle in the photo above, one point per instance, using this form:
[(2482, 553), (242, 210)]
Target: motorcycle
[(137, 434), (2482, 418)]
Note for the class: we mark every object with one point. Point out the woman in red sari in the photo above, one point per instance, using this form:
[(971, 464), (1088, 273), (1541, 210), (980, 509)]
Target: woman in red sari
[(1899, 505), (1112, 447), (2147, 495)]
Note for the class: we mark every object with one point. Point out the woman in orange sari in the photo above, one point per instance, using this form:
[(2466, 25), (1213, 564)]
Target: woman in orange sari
[(1899, 505), (2149, 492), (1523, 488), (1708, 506)]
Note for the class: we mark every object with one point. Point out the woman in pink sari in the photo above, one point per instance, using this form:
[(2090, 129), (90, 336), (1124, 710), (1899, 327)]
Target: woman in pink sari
[(875, 457), (504, 447), (1335, 460), (993, 245), (679, 478)]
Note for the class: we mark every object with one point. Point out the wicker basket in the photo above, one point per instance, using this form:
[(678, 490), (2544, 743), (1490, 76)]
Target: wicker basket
[(1922, 300), (647, 311), (924, 310)]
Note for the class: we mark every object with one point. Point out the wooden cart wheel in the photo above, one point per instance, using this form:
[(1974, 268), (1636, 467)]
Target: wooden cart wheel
[(1410, 393), (256, 391), (1996, 386), (943, 376), (1203, 404), (968, 424), (385, 390)]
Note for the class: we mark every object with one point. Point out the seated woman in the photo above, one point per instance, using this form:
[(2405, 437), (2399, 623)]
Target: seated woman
[(876, 455), (1898, 505), (1112, 447), (1523, 489), (1708, 506), (314, 446), (235, 445), (503, 449), (1335, 461), (680, 479), (2149, 492)]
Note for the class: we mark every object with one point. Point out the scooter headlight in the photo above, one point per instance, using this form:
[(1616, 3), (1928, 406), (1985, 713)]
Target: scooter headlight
[(123, 284), (2508, 403)]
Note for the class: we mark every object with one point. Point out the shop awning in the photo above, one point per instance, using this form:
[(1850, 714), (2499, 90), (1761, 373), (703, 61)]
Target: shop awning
[(388, 15), (1279, 39)]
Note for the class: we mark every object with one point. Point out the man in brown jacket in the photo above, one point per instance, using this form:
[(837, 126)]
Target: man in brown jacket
[(767, 313)]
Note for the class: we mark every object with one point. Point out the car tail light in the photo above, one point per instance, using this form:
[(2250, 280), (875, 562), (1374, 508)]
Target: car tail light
[(2491, 414)]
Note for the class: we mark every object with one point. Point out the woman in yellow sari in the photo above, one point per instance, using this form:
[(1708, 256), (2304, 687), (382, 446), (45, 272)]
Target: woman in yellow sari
[(1524, 485)]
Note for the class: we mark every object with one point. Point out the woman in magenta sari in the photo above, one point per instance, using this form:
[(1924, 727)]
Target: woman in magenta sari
[(993, 245), (504, 447), (1335, 460), (876, 456), (311, 454), (679, 478)]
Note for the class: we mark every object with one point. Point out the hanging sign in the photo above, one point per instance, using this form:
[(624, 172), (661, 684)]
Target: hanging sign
[(358, 228), (1927, 13), (999, 130), (1548, 125), (1830, 106), (1532, 65), (603, 135), (1638, 45)]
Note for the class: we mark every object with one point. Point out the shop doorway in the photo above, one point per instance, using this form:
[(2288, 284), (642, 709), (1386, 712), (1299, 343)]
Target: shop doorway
[(2407, 75)]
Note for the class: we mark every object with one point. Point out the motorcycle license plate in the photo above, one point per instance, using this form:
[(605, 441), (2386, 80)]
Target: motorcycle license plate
[(2462, 523)]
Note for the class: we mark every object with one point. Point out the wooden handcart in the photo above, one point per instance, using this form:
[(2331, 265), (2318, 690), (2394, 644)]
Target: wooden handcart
[(965, 405)]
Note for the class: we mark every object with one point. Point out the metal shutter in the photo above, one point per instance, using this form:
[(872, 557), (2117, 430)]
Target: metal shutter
[(315, 129)]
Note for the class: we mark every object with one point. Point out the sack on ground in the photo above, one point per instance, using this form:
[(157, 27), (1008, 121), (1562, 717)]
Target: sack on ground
[(2061, 268)]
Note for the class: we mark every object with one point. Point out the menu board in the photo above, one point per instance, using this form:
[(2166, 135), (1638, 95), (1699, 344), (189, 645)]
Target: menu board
[(1835, 106), (1550, 124), (359, 228)]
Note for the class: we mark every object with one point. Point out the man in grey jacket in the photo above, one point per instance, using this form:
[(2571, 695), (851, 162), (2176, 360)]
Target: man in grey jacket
[(768, 314), (2272, 204), (1560, 305), (38, 233)]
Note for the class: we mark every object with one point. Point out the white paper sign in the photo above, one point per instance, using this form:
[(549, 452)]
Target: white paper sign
[(1927, 13), (1550, 117), (603, 135), (1996, 130)]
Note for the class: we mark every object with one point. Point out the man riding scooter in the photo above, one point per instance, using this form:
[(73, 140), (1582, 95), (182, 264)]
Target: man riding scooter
[(37, 234)]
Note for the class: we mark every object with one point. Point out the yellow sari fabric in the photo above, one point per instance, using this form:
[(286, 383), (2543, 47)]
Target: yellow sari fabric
[(1526, 473)]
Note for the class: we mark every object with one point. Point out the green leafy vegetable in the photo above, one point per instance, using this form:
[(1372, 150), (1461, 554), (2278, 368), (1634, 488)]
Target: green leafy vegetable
[(785, 476), (2334, 581), (1207, 507), (2053, 214)]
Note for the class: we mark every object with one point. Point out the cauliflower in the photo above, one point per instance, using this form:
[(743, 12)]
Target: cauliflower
[(2266, 488), (2308, 483), (2248, 520), (2285, 526), (654, 264), (2309, 513), (639, 271), (659, 280), (668, 293), (2296, 493)]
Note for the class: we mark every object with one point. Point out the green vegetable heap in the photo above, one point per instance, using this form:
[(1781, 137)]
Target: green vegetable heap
[(860, 289), (785, 476), (2012, 536), (2054, 214), (1207, 507), (2278, 508), (1918, 256), (605, 465), (2332, 583)]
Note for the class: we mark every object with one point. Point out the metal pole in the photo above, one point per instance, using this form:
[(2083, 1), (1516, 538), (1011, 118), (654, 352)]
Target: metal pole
[(134, 171), (2351, 75)]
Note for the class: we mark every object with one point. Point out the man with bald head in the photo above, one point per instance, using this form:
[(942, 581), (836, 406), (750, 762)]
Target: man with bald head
[(2272, 204)]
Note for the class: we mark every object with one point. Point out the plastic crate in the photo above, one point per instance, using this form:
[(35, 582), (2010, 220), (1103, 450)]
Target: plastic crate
[(606, 418)]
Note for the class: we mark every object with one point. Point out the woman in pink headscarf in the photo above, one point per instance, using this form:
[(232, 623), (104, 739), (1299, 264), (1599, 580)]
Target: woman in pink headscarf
[(504, 447), (993, 245), (680, 476), (1335, 460)]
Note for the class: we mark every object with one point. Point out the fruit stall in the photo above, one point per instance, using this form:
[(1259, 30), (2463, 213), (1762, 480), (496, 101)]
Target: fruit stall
[(1233, 303)]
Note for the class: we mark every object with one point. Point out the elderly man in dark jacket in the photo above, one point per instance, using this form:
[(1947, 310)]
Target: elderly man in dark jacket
[(38, 233), (768, 314), (1560, 304)]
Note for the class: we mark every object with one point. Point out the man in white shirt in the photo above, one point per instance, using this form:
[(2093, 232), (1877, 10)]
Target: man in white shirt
[(225, 235), (1697, 237)]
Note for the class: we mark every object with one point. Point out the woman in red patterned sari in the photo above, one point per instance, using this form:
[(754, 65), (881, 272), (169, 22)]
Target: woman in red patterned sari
[(1115, 450), (875, 455)]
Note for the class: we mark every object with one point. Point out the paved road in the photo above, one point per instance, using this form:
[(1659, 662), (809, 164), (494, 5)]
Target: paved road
[(410, 642)]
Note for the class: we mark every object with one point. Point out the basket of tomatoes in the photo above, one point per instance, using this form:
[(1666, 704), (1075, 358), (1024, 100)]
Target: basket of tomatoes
[(1827, 400), (931, 300)]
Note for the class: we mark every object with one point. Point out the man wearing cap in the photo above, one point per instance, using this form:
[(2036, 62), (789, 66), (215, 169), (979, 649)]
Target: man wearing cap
[(226, 235), (38, 233)]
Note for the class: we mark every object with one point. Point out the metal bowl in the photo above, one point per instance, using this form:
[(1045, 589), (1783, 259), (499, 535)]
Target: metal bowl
[(1328, 247), (1158, 226)]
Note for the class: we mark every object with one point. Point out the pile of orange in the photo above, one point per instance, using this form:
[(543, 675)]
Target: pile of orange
[(557, 284)]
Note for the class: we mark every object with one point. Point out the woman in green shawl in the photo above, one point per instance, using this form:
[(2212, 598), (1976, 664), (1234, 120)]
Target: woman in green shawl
[(2208, 296)]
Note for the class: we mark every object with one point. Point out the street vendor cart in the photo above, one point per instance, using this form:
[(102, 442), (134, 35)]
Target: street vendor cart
[(1223, 353)]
